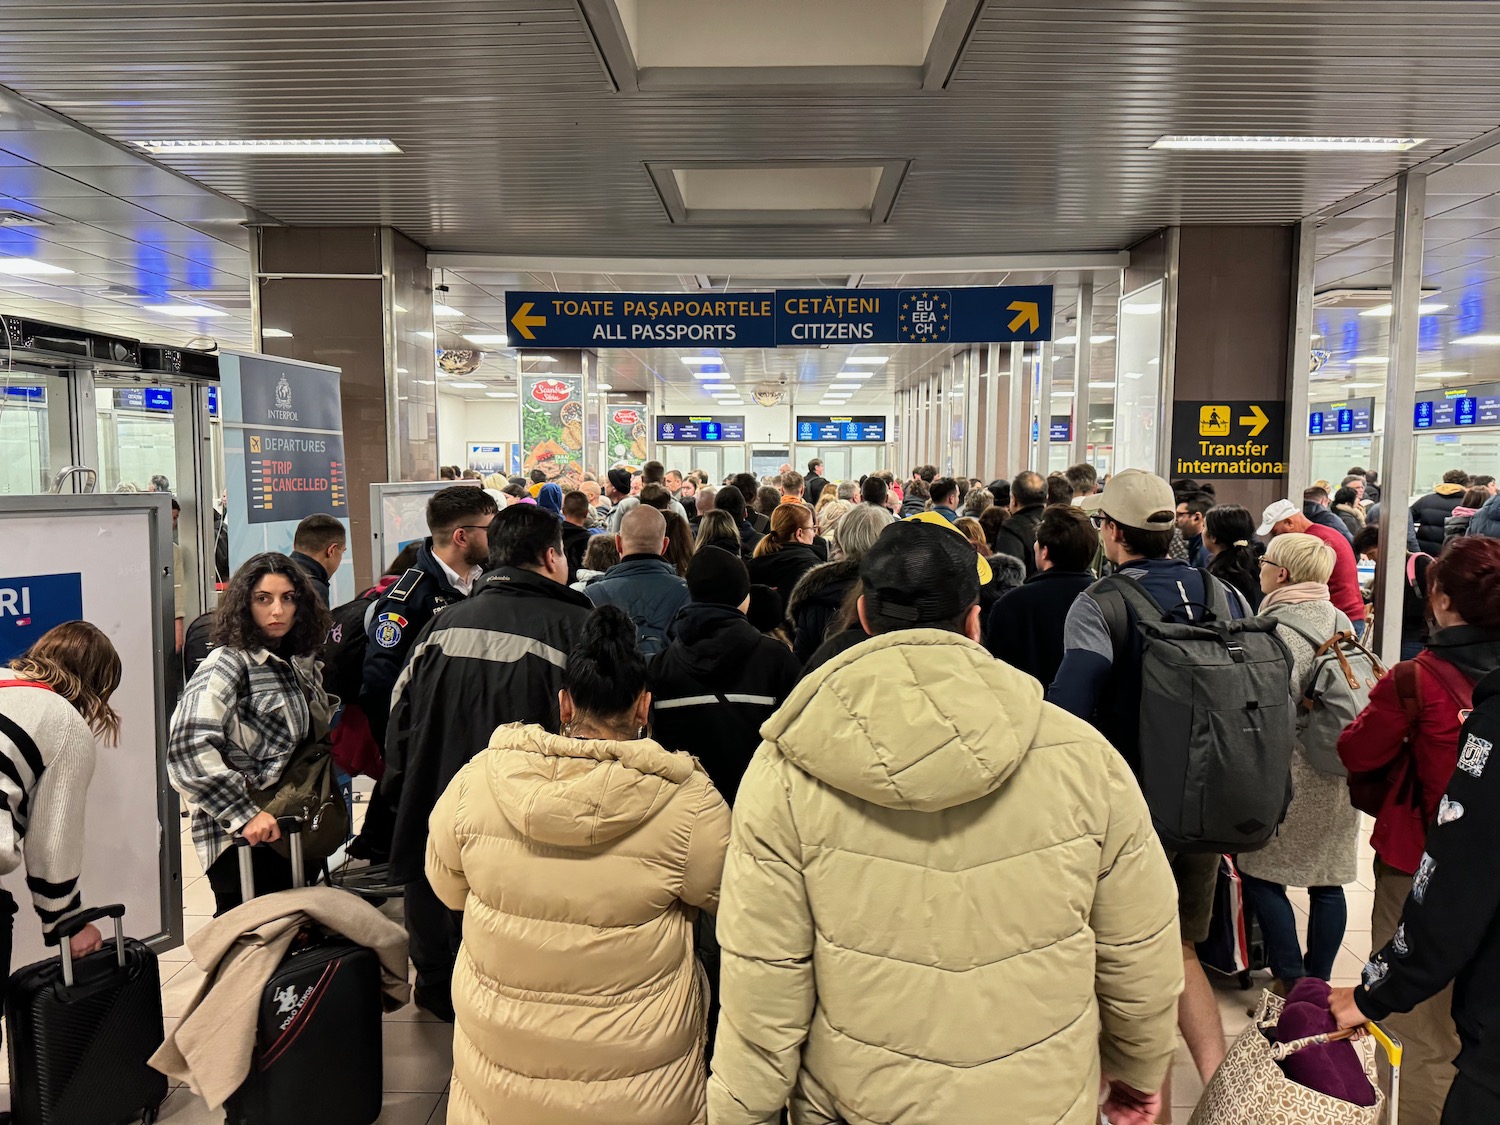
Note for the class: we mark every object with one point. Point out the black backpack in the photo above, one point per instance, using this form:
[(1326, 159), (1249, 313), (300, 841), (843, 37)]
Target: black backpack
[(1217, 724), (344, 650)]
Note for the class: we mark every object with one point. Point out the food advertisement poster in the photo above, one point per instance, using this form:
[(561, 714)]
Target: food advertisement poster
[(626, 428), (552, 427)]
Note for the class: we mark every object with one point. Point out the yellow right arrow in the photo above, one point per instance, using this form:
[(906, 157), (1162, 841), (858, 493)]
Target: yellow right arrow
[(1027, 312), (1256, 420), (525, 322)]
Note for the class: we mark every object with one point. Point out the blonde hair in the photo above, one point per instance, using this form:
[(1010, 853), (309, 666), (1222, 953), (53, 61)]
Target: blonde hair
[(1306, 558), (78, 662)]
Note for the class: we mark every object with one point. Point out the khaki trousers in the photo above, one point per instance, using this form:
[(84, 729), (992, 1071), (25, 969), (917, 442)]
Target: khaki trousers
[(1427, 1034)]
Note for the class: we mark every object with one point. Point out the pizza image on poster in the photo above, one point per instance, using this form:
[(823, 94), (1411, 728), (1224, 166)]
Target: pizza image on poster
[(552, 427), (625, 431)]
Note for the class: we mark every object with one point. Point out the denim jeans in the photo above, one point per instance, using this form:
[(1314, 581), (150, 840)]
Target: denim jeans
[(1327, 918)]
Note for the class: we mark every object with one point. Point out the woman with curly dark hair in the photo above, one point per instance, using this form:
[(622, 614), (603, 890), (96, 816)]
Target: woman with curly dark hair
[(255, 700)]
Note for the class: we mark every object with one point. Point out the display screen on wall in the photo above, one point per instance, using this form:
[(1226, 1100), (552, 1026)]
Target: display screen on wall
[(144, 398), (1353, 416), (868, 427), (1458, 407), (626, 429), (552, 426), (683, 428)]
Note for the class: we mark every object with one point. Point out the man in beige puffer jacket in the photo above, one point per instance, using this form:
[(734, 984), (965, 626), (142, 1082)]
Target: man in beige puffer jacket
[(944, 903)]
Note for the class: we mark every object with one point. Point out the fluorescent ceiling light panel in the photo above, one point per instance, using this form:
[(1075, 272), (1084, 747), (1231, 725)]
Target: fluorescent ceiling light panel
[(1426, 308), (488, 338), (467, 386), (845, 387), (1211, 143), (292, 146), (1442, 374), (424, 335), (1062, 394), (184, 310), (605, 386), (702, 360), (499, 394), (29, 267), (1482, 338), (874, 360), (1373, 360), (276, 333), (444, 310), (855, 375), (1103, 386)]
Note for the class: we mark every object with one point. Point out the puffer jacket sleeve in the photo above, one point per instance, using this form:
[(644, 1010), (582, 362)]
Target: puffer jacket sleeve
[(1137, 950), (704, 870), (445, 861), (766, 933)]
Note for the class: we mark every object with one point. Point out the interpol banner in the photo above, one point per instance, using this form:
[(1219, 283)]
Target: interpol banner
[(283, 455)]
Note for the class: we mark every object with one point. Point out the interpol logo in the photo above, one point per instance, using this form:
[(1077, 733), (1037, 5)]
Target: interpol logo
[(282, 411)]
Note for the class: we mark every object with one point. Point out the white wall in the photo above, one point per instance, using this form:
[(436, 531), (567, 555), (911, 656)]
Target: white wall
[(461, 421)]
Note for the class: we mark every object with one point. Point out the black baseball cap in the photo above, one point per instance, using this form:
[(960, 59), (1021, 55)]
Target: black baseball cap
[(920, 574)]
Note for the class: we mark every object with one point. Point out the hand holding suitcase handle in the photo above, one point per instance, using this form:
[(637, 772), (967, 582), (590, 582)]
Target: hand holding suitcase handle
[(289, 826), (77, 923)]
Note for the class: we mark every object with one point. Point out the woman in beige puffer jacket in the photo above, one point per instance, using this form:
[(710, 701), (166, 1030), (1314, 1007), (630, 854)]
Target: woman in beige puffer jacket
[(578, 861)]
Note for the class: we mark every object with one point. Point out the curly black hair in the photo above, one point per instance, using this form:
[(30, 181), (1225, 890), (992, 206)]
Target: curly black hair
[(234, 623)]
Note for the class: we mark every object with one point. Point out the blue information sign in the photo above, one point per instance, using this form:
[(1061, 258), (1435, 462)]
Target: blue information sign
[(1424, 415), (681, 428), (1346, 421), (143, 398), (1465, 410), (30, 394), (792, 317), (213, 402), (869, 427), (1459, 407), (31, 605), (1061, 429), (1315, 423)]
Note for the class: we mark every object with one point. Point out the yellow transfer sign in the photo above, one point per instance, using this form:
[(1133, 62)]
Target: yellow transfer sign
[(1231, 439)]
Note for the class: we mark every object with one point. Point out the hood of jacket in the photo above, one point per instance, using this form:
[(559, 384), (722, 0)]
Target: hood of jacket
[(1007, 572), (1473, 651), (573, 792), (827, 583), (713, 636), (892, 721), (1446, 489)]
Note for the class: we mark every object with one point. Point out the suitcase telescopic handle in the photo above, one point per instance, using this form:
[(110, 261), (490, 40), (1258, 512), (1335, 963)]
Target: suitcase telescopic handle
[(291, 828), (73, 923)]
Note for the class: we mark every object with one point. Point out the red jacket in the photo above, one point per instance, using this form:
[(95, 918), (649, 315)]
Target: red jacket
[(1378, 739), (1343, 584)]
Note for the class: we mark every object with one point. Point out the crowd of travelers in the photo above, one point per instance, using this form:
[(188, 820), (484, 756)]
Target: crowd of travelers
[(879, 800)]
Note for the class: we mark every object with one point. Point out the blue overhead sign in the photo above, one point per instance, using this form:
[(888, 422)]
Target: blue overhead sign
[(870, 427), (143, 398), (1459, 407), (681, 428), (787, 317)]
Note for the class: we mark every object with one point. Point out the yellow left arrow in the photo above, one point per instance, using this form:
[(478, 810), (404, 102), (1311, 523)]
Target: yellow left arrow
[(1028, 313), (1256, 420), (525, 322)]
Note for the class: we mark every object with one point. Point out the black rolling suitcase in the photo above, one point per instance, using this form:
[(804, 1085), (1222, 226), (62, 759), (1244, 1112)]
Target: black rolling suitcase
[(318, 1034), (79, 1033)]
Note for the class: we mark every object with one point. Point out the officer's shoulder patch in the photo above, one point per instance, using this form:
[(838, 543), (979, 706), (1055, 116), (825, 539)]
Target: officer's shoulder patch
[(405, 585), (388, 627)]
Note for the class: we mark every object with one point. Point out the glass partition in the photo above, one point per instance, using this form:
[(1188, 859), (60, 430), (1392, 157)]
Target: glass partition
[(1331, 459), (1138, 381), (1474, 451), (35, 441)]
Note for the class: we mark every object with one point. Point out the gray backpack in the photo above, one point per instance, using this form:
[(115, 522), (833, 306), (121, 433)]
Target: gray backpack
[(1216, 727), (1343, 673)]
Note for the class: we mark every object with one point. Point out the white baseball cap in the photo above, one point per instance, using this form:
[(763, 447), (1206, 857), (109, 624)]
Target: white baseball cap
[(1274, 514)]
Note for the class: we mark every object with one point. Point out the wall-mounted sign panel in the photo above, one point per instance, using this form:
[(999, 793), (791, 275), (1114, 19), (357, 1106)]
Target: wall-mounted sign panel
[(789, 317), (627, 427), (870, 427), (683, 428), (1231, 439), (495, 457), (1352, 416), (1061, 429), (144, 398), (1458, 407)]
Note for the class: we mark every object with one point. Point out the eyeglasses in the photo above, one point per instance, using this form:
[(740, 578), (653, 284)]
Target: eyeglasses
[(1099, 519), (474, 527)]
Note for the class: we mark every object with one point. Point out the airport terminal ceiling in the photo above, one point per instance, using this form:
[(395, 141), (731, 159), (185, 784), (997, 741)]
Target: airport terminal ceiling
[(513, 137)]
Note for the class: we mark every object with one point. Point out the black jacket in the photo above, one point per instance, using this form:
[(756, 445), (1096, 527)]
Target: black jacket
[(1431, 512), (495, 658), (1025, 627), (315, 574), (648, 589), (1450, 925), (812, 490), (815, 602), (781, 570), (1319, 514), (838, 643), (759, 521), (1017, 536), (749, 537), (575, 543), (399, 615), (1006, 574), (714, 686)]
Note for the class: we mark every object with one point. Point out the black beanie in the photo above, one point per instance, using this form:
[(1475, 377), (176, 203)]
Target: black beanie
[(620, 479), (715, 577)]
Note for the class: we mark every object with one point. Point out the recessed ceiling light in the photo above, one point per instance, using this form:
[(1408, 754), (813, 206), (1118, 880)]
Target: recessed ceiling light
[(1482, 338), (499, 394), (29, 267), (605, 387), (1210, 143), (297, 146), (1092, 339), (845, 387), (424, 335), (702, 360), (444, 310), (276, 333), (874, 360), (488, 338), (1442, 374), (466, 386), (711, 375), (183, 310), (427, 382), (1316, 336), (1103, 386), (855, 375), (1425, 308), (1375, 360), (1062, 394), (1135, 374)]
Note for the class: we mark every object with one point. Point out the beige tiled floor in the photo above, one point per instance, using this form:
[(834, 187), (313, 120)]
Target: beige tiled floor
[(419, 1048)]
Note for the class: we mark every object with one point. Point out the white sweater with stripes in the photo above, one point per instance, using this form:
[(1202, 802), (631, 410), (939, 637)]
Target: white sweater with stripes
[(42, 818)]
